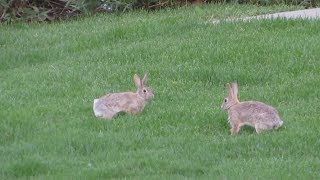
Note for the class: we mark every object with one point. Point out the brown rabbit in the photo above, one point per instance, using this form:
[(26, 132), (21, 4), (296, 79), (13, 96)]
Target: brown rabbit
[(108, 106), (256, 114)]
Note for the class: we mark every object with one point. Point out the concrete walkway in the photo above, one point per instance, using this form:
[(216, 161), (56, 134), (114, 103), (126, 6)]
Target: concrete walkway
[(300, 14)]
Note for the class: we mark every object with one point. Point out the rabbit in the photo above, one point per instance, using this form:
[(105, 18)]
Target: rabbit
[(256, 114), (110, 105)]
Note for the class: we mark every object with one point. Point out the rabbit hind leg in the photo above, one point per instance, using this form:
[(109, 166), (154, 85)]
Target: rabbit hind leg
[(260, 128), (108, 114)]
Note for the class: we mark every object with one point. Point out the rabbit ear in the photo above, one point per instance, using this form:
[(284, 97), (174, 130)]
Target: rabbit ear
[(235, 89), (145, 79), (137, 81)]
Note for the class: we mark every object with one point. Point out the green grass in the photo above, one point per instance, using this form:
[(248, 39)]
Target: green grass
[(50, 74)]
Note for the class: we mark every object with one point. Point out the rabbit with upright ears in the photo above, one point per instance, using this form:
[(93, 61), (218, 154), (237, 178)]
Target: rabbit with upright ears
[(256, 114), (110, 105)]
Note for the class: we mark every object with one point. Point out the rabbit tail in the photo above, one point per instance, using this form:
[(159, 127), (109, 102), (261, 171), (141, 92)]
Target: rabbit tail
[(96, 110)]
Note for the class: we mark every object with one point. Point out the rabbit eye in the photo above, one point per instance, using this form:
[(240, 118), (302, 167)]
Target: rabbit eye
[(144, 90), (225, 100)]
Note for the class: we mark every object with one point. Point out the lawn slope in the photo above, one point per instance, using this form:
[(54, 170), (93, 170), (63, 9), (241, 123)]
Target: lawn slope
[(50, 74)]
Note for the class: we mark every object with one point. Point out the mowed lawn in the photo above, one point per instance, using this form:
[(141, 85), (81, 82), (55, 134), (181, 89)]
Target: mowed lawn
[(50, 74)]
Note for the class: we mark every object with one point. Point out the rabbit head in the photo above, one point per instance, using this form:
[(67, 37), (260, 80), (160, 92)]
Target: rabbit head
[(143, 90), (232, 98)]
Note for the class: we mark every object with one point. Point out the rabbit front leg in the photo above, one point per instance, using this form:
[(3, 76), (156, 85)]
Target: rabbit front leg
[(135, 108), (235, 129), (235, 125)]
